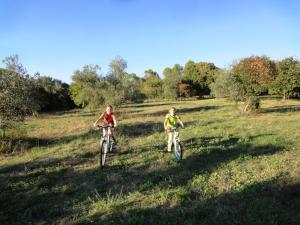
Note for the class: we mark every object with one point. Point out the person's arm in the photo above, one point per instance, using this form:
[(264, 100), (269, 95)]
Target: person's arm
[(165, 124), (100, 118), (115, 121), (181, 123)]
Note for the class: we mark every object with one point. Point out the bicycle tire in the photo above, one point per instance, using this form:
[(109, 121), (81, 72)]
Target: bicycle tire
[(111, 148), (178, 151), (100, 153), (103, 152)]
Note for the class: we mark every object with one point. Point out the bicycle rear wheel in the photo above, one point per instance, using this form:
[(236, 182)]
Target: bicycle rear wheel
[(178, 151), (111, 147)]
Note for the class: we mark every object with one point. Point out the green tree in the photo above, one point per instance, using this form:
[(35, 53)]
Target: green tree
[(185, 90), (17, 95), (222, 86), (152, 85), (122, 86), (12, 63), (132, 85), (90, 89), (53, 94), (287, 83), (228, 84), (199, 76), (257, 73), (171, 81), (254, 75), (87, 87), (150, 74), (117, 67), (115, 93)]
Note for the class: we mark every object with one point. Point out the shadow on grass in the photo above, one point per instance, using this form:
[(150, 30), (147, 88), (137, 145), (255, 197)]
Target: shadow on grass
[(30, 142), (282, 109), (40, 192), (263, 203), (70, 113), (199, 163), (143, 128), (199, 108), (212, 155), (139, 129), (56, 191), (145, 105), (180, 111), (129, 130), (218, 141)]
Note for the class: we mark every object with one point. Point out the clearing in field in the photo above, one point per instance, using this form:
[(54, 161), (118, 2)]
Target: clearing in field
[(236, 169)]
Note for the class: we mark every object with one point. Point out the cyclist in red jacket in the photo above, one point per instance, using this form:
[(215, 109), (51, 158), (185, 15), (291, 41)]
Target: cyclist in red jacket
[(108, 118)]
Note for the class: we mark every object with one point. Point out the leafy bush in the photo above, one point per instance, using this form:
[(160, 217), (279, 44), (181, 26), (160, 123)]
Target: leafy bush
[(252, 104), (229, 85), (200, 76), (87, 88), (171, 81), (287, 83), (256, 74), (17, 98), (53, 94), (152, 87), (221, 87), (13, 140)]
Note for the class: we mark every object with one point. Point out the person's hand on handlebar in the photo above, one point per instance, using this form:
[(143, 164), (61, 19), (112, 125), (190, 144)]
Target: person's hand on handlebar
[(111, 125)]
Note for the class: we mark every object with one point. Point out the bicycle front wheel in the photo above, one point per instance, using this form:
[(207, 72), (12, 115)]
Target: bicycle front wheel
[(103, 152), (178, 152)]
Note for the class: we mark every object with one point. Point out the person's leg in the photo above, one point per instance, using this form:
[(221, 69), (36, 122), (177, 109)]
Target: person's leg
[(176, 133), (104, 132), (110, 132), (113, 140), (170, 140)]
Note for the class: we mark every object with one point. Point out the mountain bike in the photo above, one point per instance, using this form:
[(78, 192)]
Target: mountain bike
[(106, 144), (176, 145)]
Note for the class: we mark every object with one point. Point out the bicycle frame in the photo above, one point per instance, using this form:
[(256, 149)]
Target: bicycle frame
[(176, 144), (105, 144)]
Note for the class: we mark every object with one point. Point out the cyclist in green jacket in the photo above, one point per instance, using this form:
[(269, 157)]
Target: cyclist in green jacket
[(171, 121)]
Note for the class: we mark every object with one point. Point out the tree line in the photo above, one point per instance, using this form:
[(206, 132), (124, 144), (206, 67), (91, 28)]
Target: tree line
[(22, 94), (245, 80)]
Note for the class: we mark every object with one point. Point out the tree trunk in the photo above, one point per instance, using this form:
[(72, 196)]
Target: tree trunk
[(284, 97), (247, 105), (3, 132)]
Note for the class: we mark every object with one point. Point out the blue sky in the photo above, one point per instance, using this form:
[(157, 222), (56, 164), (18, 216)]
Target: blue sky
[(56, 37)]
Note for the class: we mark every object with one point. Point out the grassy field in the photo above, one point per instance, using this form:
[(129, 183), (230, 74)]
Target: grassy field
[(237, 169)]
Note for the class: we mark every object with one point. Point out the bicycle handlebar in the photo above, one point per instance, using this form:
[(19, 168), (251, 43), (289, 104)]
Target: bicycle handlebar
[(175, 128), (104, 126)]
